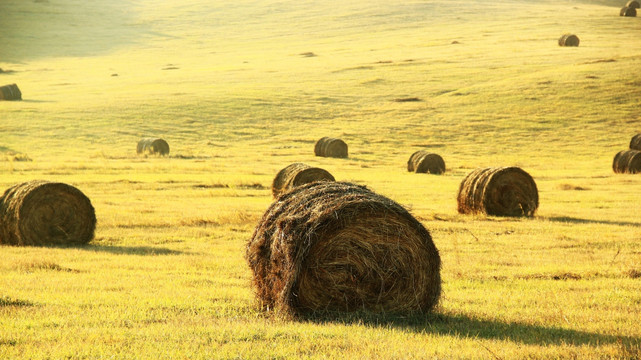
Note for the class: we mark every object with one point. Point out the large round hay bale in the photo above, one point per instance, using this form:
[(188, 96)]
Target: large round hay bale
[(628, 11), (423, 161), (297, 174), (501, 191), (330, 147), (627, 162), (46, 213), (335, 246), (635, 142), (633, 4), (569, 40), (10, 92), (152, 146)]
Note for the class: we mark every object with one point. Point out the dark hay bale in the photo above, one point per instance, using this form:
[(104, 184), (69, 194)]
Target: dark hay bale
[(10, 92), (633, 4), (155, 146), (45, 213), (628, 11), (297, 174), (408, 99), (501, 191), (627, 162), (423, 161), (569, 40), (335, 246), (330, 147), (635, 143)]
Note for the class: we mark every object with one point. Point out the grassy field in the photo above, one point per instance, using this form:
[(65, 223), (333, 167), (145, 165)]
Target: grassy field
[(233, 88)]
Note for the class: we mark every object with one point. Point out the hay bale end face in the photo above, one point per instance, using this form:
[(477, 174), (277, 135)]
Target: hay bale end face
[(633, 4), (46, 213), (627, 162), (297, 174), (635, 142), (10, 92), (152, 146), (335, 246), (628, 11), (502, 191), (423, 161), (569, 40), (330, 147)]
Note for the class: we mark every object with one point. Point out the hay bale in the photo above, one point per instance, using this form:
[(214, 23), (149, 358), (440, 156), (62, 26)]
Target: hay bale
[(423, 161), (569, 40), (152, 146), (10, 92), (635, 143), (330, 147), (633, 4), (297, 174), (627, 162), (501, 191), (45, 213), (335, 246), (628, 11)]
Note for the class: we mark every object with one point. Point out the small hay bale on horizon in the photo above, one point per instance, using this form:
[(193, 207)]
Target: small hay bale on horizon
[(423, 161), (336, 246), (627, 162), (569, 40), (152, 146), (330, 147), (633, 4), (10, 92), (499, 191), (635, 142), (628, 11), (297, 174), (40, 213)]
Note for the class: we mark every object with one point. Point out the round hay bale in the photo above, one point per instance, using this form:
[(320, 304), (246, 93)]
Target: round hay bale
[(569, 40), (423, 161), (501, 191), (633, 4), (45, 213), (628, 11), (152, 146), (627, 162), (336, 246), (297, 174), (10, 92), (635, 142), (330, 147)]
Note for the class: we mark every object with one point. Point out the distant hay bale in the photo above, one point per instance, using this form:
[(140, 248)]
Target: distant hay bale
[(627, 162), (10, 92), (335, 246), (330, 147), (297, 174), (501, 191), (423, 161), (635, 143), (633, 4), (628, 11), (569, 40), (152, 146), (45, 213)]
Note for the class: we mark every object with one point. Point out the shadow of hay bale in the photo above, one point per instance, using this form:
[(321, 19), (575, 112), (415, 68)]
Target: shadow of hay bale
[(152, 146), (422, 161), (330, 147), (335, 246), (10, 92), (569, 40), (627, 162), (45, 213), (501, 191), (297, 174)]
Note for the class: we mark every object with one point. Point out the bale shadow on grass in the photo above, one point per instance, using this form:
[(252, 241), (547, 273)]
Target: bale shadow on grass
[(569, 219), (468, 327)]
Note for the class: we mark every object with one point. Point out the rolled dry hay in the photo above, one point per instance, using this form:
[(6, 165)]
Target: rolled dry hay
[(335, 246), (628, 11), (633, 4), (297, 174), (45, 213), (10, 92), (330, 147), (627, 162), (569, 40), (501, 191), (154, 146), (423, 161), (635, 143)]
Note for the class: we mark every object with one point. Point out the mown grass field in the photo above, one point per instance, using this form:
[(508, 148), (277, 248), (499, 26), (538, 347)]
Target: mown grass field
[(229, 86)]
